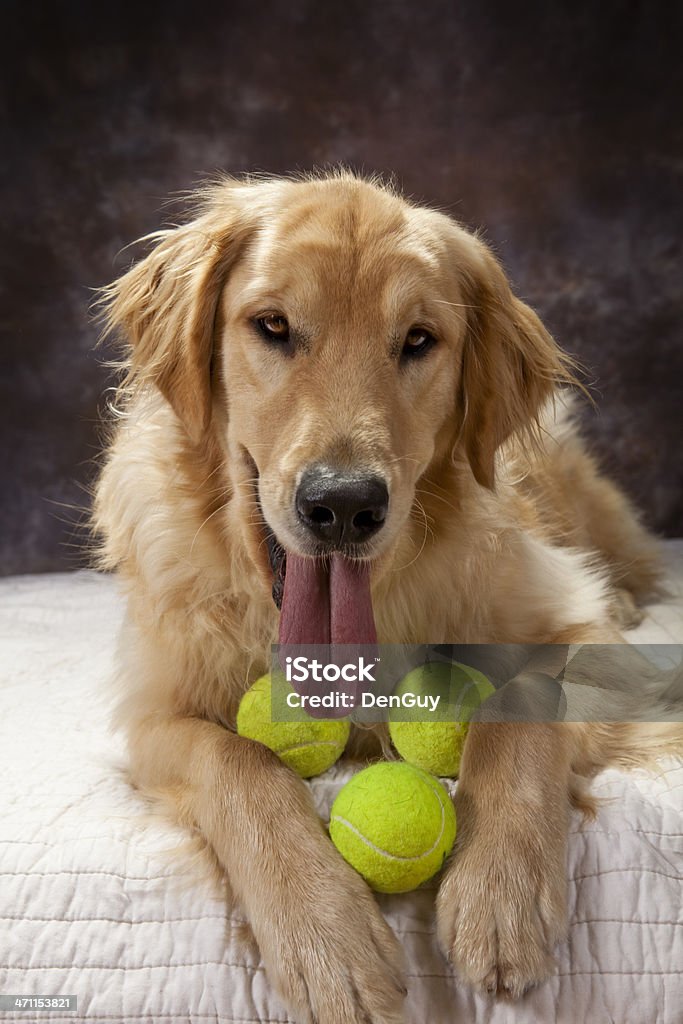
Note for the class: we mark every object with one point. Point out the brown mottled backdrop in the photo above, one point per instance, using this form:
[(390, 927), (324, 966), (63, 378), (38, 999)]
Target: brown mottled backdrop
[(554, 126)]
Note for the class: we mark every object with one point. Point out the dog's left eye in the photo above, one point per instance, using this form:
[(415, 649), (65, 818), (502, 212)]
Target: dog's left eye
[(418, 342), (274, 327)]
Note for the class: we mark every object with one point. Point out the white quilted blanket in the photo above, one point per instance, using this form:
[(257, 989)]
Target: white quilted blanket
[(94, 904)]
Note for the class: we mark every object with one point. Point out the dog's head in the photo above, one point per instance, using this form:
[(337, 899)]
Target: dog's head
[(339, 343)]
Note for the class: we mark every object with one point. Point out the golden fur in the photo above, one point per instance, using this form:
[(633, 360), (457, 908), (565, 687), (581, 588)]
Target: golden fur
[(500, 528)]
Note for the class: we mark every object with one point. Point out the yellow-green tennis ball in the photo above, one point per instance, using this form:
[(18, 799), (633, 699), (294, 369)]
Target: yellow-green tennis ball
[(394, 824), (435, 747), (309, 747), (434, 740)]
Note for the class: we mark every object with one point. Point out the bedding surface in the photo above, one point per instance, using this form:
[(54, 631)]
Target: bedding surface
[(99, 900)]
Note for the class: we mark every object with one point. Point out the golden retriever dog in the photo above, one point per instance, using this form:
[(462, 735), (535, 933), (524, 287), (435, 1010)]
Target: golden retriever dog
[(334, 403)]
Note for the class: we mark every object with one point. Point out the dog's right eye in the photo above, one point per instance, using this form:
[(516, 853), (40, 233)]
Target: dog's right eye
[(273, 327)]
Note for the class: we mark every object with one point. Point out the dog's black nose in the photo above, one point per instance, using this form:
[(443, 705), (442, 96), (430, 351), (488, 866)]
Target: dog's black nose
[(341, 507)]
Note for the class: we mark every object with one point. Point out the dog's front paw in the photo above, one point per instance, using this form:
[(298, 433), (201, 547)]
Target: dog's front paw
[(332, 955), (500, 912)]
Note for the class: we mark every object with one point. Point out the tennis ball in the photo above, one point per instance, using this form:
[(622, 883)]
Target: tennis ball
[(434, 741), (394, 824), (309, 746)]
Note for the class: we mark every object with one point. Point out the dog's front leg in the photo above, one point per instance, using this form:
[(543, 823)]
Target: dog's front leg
[(502, 903), (323, 939)]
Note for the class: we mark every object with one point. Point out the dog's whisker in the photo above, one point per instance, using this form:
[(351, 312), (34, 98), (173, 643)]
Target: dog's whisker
[(422, 510), (437, 497), (428, 532), (402, 458), (203, 485), (457, 305), (215, 512), (262, 542)]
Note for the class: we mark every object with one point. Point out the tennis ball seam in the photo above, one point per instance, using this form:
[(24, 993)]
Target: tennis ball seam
[(307, 746), (394, 856), (463, 693)]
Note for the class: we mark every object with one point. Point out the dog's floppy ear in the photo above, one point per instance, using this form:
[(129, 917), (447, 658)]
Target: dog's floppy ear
[(166, 305), (510, 365)]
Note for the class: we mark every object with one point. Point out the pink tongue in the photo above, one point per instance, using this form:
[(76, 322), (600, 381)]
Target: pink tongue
[(351, 618), (321, 606), (329, 606)]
